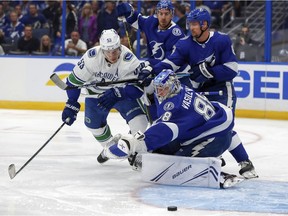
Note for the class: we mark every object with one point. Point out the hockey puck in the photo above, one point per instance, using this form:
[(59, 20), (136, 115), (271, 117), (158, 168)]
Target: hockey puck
[(172, 208)]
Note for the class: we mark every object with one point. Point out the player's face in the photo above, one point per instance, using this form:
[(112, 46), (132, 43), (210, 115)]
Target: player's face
[(164, 18), (195, 28), (112, 55), (162, 91)]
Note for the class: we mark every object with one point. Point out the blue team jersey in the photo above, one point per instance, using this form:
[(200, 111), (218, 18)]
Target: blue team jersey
[(186, 118), (218, 52), (159, 42)]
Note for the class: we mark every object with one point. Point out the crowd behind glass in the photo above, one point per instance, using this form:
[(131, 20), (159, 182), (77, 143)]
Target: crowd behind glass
[(35, 27)]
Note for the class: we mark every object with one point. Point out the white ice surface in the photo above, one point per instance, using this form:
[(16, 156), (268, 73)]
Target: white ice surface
[(65, 178)]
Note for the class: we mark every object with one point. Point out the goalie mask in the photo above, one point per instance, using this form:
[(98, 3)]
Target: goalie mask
[(166, 85), (110, 45)]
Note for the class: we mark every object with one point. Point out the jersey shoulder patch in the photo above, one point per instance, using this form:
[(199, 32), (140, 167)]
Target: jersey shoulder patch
[(176, 31), (92, 52), (128, 56)]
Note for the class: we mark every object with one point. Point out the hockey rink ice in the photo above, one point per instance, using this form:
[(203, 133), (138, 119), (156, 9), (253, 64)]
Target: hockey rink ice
[(66, 179)]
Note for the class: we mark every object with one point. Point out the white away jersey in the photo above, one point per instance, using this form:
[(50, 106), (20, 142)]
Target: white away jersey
[(93, 67)]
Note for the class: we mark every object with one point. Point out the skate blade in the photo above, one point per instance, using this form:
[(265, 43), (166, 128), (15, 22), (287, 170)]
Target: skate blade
[(230, 182), (250, 174)]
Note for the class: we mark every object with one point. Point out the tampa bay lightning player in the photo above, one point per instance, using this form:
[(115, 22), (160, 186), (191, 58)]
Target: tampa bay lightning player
[(213, 67), (200, 128), (193, 125), (161, 34)]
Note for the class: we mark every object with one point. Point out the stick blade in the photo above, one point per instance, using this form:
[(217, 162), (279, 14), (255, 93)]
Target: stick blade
[(57, 81), (12, 171)]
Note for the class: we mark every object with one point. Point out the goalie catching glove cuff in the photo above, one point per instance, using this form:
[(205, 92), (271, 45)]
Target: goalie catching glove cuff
[(126, 146), (201, 72), (70, 111), (110, 98)]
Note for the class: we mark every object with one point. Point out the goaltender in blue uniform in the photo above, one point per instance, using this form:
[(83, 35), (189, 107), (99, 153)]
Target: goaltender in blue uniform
[(199, 127), (189, 122)]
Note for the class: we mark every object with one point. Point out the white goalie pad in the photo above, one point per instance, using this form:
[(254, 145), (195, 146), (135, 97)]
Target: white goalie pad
[(181, 171)]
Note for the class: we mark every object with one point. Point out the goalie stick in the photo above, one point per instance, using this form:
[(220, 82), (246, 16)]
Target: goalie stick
[(12, 170), (57, 81)]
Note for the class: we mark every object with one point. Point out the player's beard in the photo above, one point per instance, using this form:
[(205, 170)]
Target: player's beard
[(164, 25)]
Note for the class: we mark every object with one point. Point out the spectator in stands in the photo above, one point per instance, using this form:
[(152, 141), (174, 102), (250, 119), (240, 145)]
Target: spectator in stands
[(33, 18), (75, 46), (14, 30), (217, 9), (95, 7), (3, 18), (45, 44), (18, 10), (28, 42), (245, 46), (51, 11), (107, 18), (245, 33), (88, 25), (180, 12), (71, 21), (6, 7)]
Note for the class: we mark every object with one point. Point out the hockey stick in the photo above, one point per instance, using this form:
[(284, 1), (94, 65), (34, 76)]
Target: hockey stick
[(12, 170), (57, 81), (212, 93), (127, 33)]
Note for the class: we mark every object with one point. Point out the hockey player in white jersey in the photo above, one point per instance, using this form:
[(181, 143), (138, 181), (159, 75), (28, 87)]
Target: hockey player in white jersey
[(108, 62)]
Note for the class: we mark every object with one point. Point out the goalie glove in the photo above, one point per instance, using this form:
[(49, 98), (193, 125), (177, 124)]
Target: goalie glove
[(126, 146), (201, 72)]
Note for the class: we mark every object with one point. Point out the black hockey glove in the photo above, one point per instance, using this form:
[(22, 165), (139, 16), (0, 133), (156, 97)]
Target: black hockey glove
[(110, 98), (70, 111), (201, 72)]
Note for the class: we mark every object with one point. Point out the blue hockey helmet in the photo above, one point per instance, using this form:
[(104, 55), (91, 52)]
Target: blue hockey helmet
[(199, 15), (166, 84), (165, 4)]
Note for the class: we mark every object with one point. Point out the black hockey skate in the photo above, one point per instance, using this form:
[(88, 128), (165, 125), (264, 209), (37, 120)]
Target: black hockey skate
[(102, 158), (247, 170)]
